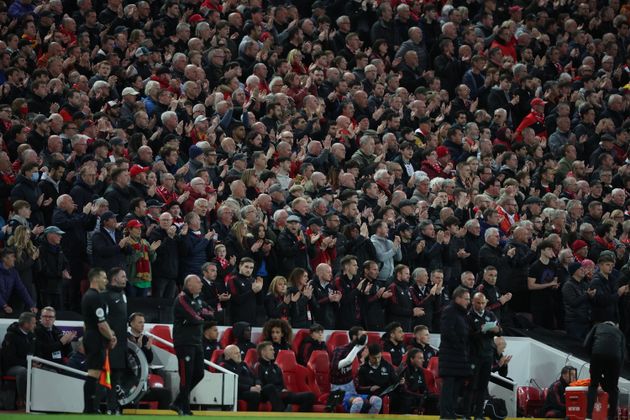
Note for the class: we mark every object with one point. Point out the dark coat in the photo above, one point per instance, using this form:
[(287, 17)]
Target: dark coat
[(117, 319), (48, 345), (166, 263), (75, 225), (606, 340), (455, 342), (577, 308), (106, 253), (119, 200), (605, 304), (292, 252), (16, 346), (82, 193), (27, 190), (244, 300), (10, 283), (194, 252), (51, 264)]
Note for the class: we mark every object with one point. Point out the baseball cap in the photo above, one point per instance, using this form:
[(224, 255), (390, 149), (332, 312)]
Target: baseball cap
[(532, 200), (404, 226), (200, 118), (294, 218), (194, 151), (133, 223), (275, 188), (137, 169), (141, 51), (314, 221), (239, 156), (195, 18), (152, 202), (53, 229), (536, 102), (130, 91)]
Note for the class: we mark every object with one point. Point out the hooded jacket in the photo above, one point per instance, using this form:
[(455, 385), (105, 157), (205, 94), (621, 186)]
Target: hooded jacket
[(16, 346), (244, 344), (10, 282)]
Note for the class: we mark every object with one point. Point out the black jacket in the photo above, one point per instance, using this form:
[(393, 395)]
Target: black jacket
[(326, 312), (400, 308), (16, 346), (244, 301), (292, 252), (605, 304), (383, 376), (397, 351), (577, 308), (307, 347), (166, 263), (106, 253), (242, 342), (82, 193), (246, 378), (50, 264), (117, 319), (275, 307), (75, 226), (48, 345), (27, 190), (349, 313), (481, 343), (119, 200), (606, 340), (372, 306), (270, 373), (455, 342), (189, 314)]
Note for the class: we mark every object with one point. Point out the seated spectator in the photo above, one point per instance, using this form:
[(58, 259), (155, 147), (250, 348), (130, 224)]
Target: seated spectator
[(555, 404), (314, 341), (422, 341), (10, 283), (341, 375), (242, 333), (271, 374), (413, 394), (50, 342), (78, 359), (18, 343), (249, 386), (279, 333), (501, 361), (394, 342), (210, 339)]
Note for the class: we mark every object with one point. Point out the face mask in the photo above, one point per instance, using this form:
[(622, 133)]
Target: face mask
[(35, 177)]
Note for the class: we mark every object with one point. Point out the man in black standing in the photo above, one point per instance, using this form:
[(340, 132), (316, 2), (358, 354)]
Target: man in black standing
[(116, 301), (189, 312), (455, 364), (98, 336), (607, 347), (483, 327)]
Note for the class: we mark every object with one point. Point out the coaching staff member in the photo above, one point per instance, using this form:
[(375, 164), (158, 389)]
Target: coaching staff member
[(607, 347), (189, 312), (98, 335), (116, 301)]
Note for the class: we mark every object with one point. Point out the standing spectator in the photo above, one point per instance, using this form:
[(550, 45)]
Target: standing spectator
[(140, 254), (108, 245), (605, 304), (455, 362), (372, 297), (541, 280), (294, 248), (577, 296), (387, 251), (195, 245), (327, 297), (401, 306), (246, 293), (606, 345), (346, 283), (18, 343), (53, 268), (26, 189), (26, 254), (10, 282), (165, 266)]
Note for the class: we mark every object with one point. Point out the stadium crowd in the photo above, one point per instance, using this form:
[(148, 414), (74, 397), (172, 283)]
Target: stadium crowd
[(345, 163)]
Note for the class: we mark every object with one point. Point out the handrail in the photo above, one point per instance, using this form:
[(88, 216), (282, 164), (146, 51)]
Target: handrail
[(206, 362), (55, 365)]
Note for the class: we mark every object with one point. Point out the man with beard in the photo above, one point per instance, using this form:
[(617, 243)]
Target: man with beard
[(116, 301), (401, 307), (372, 297)]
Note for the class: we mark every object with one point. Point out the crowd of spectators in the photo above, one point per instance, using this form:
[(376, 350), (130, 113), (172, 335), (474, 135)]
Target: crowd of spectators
[(340, 162)]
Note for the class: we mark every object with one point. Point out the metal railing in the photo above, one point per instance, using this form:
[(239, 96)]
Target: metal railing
[(207, 363)]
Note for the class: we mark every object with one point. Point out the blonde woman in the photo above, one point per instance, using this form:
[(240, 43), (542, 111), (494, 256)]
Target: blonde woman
[(26, 255), (277, 300), (236, 242)]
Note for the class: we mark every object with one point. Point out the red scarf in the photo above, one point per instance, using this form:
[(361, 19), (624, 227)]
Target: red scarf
[(143, 265)]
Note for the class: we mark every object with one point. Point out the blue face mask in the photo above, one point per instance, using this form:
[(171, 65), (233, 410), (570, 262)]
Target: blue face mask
[(35, 177)]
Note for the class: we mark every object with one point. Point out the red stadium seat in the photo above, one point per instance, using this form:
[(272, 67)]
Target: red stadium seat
[(251, 358), (319, 363), (408, 339), (297, 339), (431, 382), (388, 357), (529, 401), (227, 338), (435, 371), (164, 332), (216, 357), (265, 406), (374, 338), (337, 339), (403, 360)]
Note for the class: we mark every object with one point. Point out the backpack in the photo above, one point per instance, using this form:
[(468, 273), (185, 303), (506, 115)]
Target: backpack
[(495, 408)]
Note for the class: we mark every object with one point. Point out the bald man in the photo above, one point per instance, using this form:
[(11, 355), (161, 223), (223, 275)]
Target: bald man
[(249, 386), (484, 327), (189, 312)]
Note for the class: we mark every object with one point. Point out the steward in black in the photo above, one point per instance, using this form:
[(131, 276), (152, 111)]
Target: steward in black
[(246, 294)]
